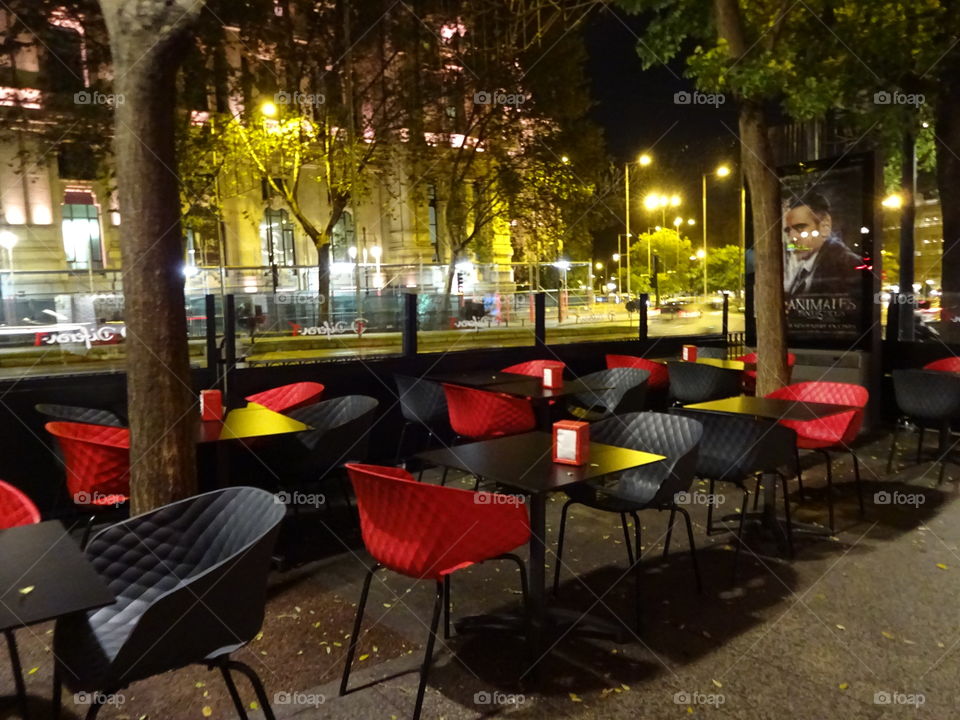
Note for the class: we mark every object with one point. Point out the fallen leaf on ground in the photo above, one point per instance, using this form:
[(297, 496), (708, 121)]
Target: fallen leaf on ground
[(575, 698)]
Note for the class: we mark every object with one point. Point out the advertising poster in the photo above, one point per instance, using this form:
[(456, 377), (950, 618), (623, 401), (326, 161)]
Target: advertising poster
[(827, 248)]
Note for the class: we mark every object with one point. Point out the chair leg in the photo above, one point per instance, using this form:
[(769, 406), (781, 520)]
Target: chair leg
[(713, 486), (258, 688), (524, 589), (626, 538), (826, 457), (743, 514), (232, 689), (856, 477), (693, 549), (352, 648), (756, 491), (666, 542), (403, 432), (796, 456), (563, 527), (637, 575), (86, 531), (920, 443), (893, 446), (786, 513), (428, 654), (446, 607)]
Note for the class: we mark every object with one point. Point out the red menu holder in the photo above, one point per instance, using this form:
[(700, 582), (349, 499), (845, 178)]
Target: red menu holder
[(553, 375), (690, 353), (571, 442), (211, 405)]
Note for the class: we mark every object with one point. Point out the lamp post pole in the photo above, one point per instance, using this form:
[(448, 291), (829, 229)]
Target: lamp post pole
[(626, 202)]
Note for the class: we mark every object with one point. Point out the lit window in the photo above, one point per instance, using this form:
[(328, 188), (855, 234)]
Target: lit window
[(81, 231)]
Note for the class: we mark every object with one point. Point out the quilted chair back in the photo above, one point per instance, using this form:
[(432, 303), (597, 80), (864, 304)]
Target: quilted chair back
[(692, 382), (626, 390), (16, 508), (422, 402), (71, 413), (676, 438), (659, 377), (96, 459), (947, 364), (530, 367), (736, 446), (931, 395), (479, 414), (190, 580), (427, 531), (341, 423), (287, 397), (840, 428)]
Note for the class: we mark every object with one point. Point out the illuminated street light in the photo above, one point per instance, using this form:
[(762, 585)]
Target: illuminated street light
[(701, 254), (644, 160), (565, 159), (616, 257), (723, 171), (598, 266), (691, 221), (893, 201), (268, 109), (674, 201)]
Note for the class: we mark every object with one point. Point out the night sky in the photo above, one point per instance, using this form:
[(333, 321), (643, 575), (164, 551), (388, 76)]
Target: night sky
[(637, 112)]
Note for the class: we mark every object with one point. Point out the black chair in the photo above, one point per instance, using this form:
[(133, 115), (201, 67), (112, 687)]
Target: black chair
[(711, 352), (735, 448), (692, 382), (340, 433), (651, 487), (71, 413), (190, 580), (423, 405), (626, 391), (926, 397)]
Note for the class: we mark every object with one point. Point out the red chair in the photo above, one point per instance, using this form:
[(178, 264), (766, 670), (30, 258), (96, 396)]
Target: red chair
[(835, 432), (531, 367), (97, 465), (659, 376), (481, 415), (428, 532), (287, 397), (947, 364), (16, 508), (750, 376)]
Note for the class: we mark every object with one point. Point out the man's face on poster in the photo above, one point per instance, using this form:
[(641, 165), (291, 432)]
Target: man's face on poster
[(805, 231)]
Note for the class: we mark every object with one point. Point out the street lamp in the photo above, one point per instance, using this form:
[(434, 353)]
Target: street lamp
[(893, 201), (721, 172), (268, 109), (643, 161)]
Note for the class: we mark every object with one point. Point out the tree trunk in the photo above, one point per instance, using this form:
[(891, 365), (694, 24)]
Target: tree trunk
[(758, 164), (162, 409), (758, 161), (324, 299), (948, 182)]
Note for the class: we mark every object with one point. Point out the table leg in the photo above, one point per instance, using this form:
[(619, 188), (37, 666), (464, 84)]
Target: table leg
[(17, 672), (536, 575)]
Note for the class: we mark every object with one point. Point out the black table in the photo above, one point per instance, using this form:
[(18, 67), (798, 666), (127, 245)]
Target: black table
[(525, 386), (773, 409), (715, 362), (43, 575), (525, 462)]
